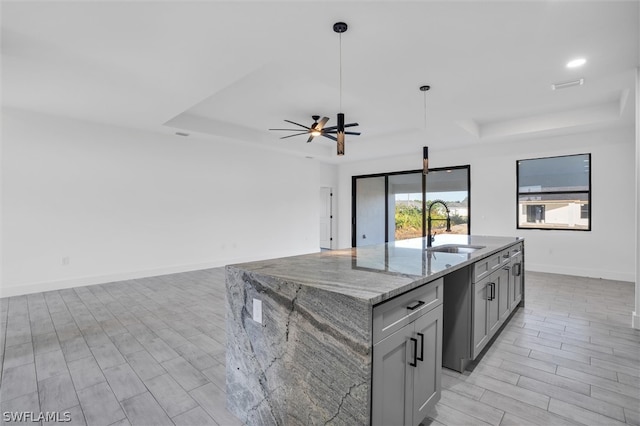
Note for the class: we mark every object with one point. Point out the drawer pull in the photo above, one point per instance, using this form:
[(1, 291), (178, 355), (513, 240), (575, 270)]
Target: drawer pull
[(417, 305), (415, 353), (421, 357)]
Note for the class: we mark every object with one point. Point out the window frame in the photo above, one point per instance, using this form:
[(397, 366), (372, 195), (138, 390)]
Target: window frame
[(386, 175), (588, 192)]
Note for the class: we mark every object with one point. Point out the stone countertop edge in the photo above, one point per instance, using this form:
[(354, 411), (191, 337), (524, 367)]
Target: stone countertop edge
[(334, 270)]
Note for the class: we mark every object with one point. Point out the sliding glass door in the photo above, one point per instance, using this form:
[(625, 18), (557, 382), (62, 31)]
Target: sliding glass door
[(389, 206), (405, 205), (371, 214), (450, 185)]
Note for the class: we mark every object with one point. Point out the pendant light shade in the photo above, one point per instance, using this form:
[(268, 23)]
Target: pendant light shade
[(425, 160), (340, 134), (425, 149)]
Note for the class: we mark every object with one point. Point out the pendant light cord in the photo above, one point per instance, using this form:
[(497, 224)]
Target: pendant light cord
[(340, 50), (425, 110)]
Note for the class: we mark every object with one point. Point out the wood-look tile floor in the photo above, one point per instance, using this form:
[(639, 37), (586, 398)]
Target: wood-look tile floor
[(151, 352), (569, 357)]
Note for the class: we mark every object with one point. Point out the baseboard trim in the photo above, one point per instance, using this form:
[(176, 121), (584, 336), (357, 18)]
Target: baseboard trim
[(29, 288), (581, 272)]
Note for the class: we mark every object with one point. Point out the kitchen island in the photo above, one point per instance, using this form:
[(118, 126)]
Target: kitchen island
[(305, 334)]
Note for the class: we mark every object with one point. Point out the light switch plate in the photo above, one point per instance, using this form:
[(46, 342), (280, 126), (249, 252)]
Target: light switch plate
[(257, 311)]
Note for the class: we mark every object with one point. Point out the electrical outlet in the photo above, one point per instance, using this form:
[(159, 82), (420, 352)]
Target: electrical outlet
[(257, 311), (65, 261)]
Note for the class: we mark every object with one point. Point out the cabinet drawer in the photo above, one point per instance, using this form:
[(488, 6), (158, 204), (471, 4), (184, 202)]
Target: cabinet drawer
[(485, 266), (392, 315), (515, 250)]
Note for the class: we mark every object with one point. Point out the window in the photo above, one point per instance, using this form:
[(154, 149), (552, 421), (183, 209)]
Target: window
[(389, 206), (554, 193)]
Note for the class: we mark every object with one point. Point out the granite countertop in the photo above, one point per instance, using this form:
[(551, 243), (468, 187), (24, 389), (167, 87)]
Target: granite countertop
[(378, 272)]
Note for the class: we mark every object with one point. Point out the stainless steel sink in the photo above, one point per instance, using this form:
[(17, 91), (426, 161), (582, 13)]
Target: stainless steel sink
[(455, 248)]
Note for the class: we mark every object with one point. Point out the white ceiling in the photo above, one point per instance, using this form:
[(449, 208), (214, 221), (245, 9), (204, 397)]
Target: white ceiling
[(234, 69)]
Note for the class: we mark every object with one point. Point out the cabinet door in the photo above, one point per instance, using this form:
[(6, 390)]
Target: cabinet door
[(502, 290), (481, 293), (493, 310), (393, 378), (427, 373), (516, 282)]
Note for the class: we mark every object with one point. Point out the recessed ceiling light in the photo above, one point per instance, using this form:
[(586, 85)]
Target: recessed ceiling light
[(576, 63)]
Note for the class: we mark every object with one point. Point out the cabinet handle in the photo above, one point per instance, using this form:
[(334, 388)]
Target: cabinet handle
[(415, 353), (492, 295), (420, 303), (519, 265), (421, 357)]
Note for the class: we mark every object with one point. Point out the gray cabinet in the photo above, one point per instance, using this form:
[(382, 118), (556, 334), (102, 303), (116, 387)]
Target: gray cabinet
[(407, 363), (491, 307), (516, 277), (502, 288), (481, 302)]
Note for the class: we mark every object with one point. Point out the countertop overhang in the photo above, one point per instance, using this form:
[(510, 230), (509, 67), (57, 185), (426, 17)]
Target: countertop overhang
[(378, 272)]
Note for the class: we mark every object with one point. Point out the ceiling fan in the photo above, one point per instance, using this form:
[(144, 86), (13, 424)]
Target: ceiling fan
[(317, 129)]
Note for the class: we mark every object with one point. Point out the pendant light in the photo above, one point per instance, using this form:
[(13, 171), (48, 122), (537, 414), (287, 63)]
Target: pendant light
[(425, 149), (340, 27)]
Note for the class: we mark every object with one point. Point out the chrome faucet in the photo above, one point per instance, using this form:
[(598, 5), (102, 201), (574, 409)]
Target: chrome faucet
[(430, 237)]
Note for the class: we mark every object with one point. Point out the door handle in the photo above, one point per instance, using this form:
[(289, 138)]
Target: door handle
[(417, 305), (415, 353), (421, 357)]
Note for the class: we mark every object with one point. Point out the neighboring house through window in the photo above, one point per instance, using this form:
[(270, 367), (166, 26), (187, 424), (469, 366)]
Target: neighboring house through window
[(554, 193)]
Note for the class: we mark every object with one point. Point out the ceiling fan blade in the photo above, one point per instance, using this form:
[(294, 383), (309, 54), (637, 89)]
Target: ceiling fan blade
[(297, 124), (321, 123), (289, 130), (333, 132), (336, 127), (330, 137), (297, 134), (310, 138)]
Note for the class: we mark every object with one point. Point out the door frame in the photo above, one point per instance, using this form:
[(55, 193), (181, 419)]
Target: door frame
[(386, 202), (331, 244)]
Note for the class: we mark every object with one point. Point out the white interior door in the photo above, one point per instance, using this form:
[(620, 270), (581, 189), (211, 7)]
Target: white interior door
[(326, 218)]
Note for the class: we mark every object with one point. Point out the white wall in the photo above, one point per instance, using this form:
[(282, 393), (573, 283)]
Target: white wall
[(607, 251), (120, 203)]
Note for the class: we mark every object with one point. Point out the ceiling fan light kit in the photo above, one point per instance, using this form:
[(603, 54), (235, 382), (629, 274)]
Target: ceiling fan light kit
[(317, 128)]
